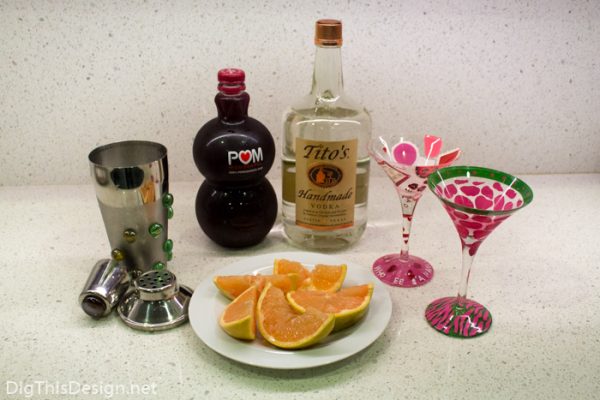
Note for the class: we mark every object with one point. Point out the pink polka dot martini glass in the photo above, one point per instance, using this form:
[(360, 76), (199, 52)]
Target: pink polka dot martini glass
[(477, 200), (408, 161)]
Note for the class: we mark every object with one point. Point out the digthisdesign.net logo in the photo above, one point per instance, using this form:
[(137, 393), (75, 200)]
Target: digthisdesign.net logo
[(20, 389)]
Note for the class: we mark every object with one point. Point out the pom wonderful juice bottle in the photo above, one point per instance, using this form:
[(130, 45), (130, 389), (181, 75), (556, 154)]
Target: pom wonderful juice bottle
[(236, 205)]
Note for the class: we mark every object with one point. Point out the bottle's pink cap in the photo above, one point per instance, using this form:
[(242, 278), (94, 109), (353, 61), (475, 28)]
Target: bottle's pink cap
[(231, 80)]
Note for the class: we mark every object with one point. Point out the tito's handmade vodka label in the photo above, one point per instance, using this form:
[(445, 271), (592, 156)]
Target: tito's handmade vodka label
[(325, 184)]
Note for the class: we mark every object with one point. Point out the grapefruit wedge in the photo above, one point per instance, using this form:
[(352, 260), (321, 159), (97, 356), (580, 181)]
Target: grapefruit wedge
[(281, 266), (328, 278), (323, 277), (348, 305), (282, 326), (231, 286), (238, 318)]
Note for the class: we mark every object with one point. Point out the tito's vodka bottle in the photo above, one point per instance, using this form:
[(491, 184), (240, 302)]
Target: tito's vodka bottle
[(325, 158)]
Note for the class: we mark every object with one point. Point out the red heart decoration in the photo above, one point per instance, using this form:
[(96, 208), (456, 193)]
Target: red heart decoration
[(245, 156)]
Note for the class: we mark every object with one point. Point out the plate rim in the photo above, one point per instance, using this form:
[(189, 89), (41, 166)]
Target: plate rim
[(206, 298)]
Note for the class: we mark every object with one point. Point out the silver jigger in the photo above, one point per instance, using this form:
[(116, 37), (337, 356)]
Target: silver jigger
[(131, 179)]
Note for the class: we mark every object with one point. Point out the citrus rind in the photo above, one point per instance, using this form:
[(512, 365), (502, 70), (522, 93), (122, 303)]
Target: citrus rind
[(343, 318)]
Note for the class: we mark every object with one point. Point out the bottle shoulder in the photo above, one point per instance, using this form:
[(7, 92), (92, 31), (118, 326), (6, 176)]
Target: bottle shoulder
[(248, 125), (311, 106)]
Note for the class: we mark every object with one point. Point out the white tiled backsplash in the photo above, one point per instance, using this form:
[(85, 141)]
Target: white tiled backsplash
[(515, 84)]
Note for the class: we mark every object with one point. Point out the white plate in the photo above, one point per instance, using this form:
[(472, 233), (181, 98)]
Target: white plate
[(207, 304)]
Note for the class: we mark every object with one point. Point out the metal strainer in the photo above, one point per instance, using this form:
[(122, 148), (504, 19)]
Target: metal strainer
[(157, 303)]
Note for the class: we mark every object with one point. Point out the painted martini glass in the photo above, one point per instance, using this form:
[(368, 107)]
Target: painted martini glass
[(477, 200), (408, 161)]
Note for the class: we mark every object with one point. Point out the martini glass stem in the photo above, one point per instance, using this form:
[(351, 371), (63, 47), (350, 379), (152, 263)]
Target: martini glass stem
[(408, 209), (467, 262)]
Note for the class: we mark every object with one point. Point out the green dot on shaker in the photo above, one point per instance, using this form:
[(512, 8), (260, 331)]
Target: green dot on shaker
[(155, 229), (167, 200), (168, 246), (158, 266), (170, 212), (169, 256)]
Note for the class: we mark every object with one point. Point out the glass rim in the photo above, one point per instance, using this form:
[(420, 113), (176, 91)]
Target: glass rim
[(413, 137), (457, 171)]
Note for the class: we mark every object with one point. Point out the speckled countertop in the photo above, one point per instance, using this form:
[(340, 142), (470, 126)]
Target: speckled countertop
[(539, 274)]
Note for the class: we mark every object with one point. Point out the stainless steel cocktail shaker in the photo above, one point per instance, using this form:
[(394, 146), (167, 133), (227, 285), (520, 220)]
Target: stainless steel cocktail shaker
[(131, 179)]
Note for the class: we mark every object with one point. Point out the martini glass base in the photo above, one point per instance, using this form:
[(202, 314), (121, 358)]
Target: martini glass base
[(402, 271), (446, 316)]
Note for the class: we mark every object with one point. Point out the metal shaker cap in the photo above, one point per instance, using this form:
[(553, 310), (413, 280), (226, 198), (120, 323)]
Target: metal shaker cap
[(156, 285), (106, 284), (157, 303)]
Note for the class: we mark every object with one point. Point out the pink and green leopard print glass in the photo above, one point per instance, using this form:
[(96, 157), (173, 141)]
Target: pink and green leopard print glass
[(477, 200)]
